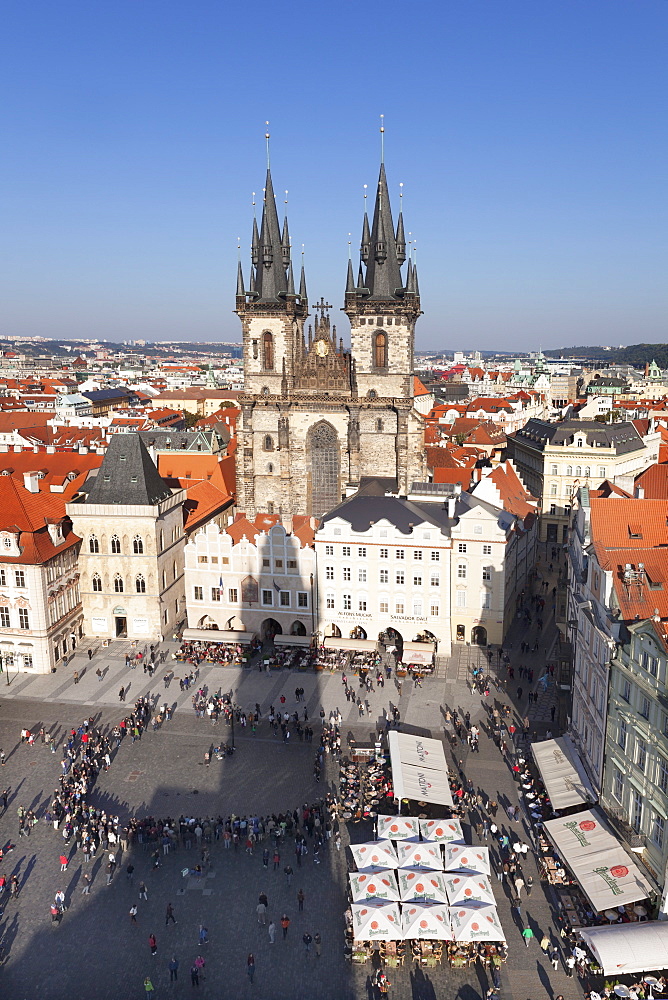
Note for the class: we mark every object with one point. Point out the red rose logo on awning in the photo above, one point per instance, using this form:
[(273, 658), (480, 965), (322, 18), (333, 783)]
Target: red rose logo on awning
[(587, 825), (619, 871)]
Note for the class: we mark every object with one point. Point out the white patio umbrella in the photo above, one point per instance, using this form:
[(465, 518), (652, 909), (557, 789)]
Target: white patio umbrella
[(468, 890), (376, 921), (419, 855), (429, 922), (398, 827), (379, 853), (424, 886), (469, 924), (374, 885), (444, 831), (463, 856)]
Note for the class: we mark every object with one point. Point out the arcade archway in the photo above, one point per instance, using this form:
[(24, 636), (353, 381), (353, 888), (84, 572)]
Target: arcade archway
[(270, 628), (479, 636), (357, 633)]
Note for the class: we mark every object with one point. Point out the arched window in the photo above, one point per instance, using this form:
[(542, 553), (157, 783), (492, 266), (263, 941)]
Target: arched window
[(578, 471), (93, 544), (97, 583), (323, 452), (138, 545), (380, 350), (118, 584), (115, 544), (268, 352), (569, 470), (268, 443), (140, 584)]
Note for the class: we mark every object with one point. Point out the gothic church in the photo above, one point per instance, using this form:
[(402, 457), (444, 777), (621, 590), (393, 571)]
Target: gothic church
[(316, 418)]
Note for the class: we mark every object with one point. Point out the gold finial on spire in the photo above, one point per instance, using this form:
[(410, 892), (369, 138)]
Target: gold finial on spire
[(382, 138), (350, 252), (365, 194), (286, 197), (253, 204), (401, 193), (410, 245), (267, 136), (238, 248)]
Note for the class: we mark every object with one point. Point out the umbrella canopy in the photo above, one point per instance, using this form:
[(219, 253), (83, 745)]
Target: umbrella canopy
[(430, 922), (463, 856), (373, 885), (444, 831), (374, 921), (419, 855), (469, 890), (379, 853), (398, 827), (476, 925), (421, 885)]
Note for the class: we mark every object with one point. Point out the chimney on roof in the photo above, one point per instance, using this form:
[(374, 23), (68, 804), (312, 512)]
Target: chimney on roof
[(639, 493), (50, 449), (18, 448), (31, 482)]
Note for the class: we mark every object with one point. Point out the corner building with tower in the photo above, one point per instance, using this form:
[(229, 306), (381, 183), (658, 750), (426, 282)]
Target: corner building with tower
[(317, 418)]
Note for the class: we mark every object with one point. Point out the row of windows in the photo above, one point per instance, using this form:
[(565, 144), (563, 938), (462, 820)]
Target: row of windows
[(462, 548), (119, 584), (383, 576), (115, 545), (418, 554), (19, 578), (643, 703), (379, 345), (5, 618), (284, 597), (554, 471), (637, 812), (383, 606)]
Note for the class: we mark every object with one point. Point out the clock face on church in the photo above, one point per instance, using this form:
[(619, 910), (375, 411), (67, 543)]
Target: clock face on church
[(322, 348)]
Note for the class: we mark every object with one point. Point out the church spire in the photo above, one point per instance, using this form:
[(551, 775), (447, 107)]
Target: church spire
[(350, 280), (271, 278), (302, 286), (240, 280), (401, 237), (384, 259)]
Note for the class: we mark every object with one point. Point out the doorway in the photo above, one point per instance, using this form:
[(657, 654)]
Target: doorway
[(121, 627), (479, 636)]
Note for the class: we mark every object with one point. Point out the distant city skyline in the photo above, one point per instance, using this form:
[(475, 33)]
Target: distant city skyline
[(530, 141)]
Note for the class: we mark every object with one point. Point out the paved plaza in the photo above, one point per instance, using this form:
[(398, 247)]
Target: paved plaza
[(97, 952)]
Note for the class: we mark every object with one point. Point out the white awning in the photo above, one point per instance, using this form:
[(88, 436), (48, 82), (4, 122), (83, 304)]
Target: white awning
[(376, 853), (606, 873), (376, 921), (373, 885), (629, 948), (476, 925), (466, 857), (292, 640), (419, 770), (419, 653), (429, 922), (563, 773), (216, 635), (357, 645), (398, 828), (443, 831)]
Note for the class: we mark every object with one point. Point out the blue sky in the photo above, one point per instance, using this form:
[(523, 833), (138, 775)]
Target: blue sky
[(530, 137)]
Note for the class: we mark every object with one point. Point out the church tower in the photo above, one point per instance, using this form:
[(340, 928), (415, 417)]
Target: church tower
[(383, 307)]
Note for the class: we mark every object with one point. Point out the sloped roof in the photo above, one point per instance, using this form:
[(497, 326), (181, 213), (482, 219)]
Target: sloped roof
[(419, 389), (128, 475), (515, 497), (654, 481), (30, 514), (204, 501), (629, 524)]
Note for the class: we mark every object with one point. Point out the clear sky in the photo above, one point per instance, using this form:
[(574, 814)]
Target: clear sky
[(530, 136)]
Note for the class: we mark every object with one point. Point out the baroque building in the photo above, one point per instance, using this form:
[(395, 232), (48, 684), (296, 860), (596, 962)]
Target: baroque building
[(316, 418)]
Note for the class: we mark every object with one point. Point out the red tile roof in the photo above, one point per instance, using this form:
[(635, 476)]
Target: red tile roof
[(654, 482)]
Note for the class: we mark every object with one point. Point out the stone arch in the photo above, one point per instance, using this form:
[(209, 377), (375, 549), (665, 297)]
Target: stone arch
[(479, 635), (297, 628), (324, 464)]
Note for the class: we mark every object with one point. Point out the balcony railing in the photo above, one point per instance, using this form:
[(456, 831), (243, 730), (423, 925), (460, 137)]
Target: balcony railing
[(618, 819)]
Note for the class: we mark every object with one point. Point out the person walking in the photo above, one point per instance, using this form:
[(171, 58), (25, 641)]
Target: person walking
[(203, 935), (63, 863), (545, 944), (133, 914), (285, 923), (143, 893), (169, 914), (148, 986), (173, 969), (76, 676), (288, 874), (300, 900), (554, 958), (570, 965), (86, 889), (250, 966), (261, 911), (194, 975), (317, 941), (527, 934), (153, 944), (271, 929), (307, 939)]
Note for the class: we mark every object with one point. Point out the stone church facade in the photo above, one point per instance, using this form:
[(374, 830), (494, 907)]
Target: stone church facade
[(316, 418)]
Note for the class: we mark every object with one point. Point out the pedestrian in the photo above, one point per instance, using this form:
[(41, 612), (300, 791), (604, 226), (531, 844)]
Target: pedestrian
[(5, 797), (288, 874), (203, 935), (277, 860), (300, 899), (169, 914), (133, 914), (265, 858), (148, 986), (554, 958), (194, 975), (86, 889), (570, 965), (271, 929), (2, 758), (527, 934), (63, 862), (317, 940), (250, 966), (285, 923), (153, 944), (99, 674), (261, 911), (76, 676), (307, 939), (130, 873), (173, 969), (121, 694), (143, 892), (545, 944)]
